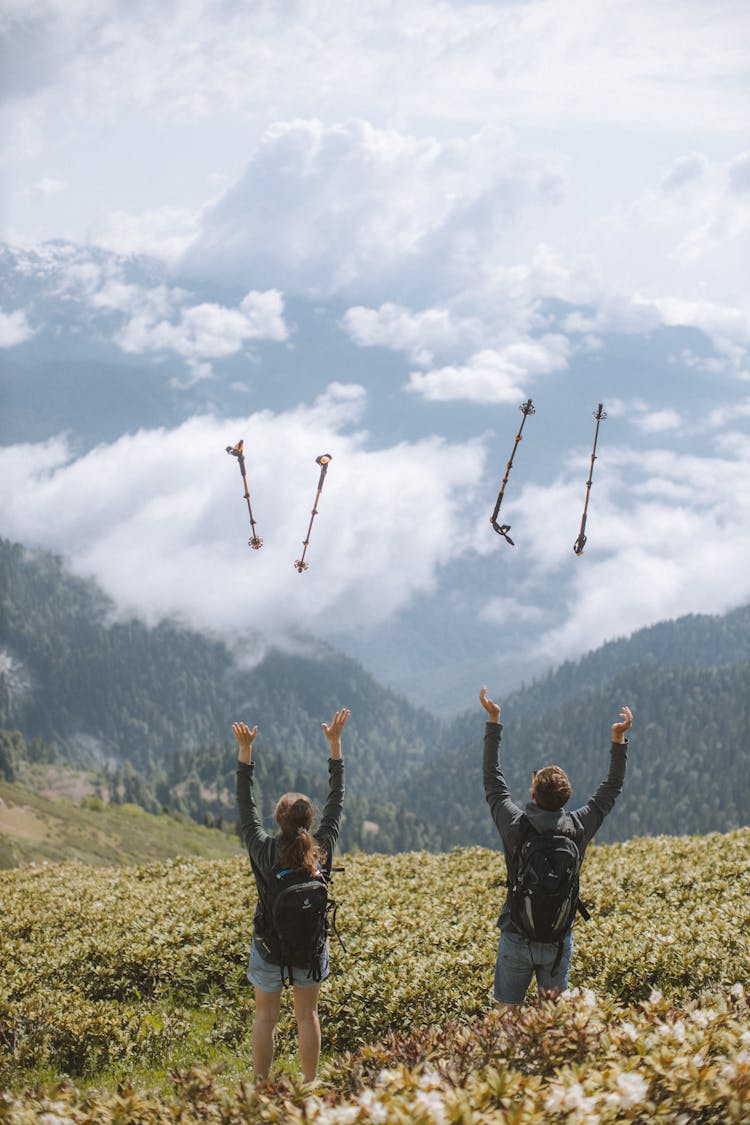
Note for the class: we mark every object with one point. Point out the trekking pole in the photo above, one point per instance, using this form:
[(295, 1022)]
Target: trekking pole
[(599, 414), (526, 408), (255, 540), (323, 461)]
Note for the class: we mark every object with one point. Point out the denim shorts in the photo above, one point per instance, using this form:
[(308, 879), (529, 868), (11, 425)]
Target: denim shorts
[(267, 977), (519, 959)]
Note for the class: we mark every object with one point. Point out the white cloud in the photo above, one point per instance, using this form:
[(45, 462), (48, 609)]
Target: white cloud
[(139, 316), (493, 375), (14, 328), (47, 186), (717, 321), (322, 208), (512, 611), (673, 254), (657, 421), (208, 330), (159, 519), (739, 172), (725, 324), (417, 333), (165, 233), (720, 416), (646, 417), (661, 528), (114, 294), (672, 63), (205, 331), (685, 170)]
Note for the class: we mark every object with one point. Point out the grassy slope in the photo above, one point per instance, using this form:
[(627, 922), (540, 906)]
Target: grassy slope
[(130, 980), (37, 828)]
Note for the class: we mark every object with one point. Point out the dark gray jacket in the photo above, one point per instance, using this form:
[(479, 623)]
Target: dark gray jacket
[(264, 848), (586, 820)]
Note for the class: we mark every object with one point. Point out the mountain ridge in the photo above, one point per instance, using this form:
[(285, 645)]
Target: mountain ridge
[(150, 708)]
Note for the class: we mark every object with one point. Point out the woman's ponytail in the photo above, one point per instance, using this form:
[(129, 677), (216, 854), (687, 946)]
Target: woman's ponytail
[(294, 813)]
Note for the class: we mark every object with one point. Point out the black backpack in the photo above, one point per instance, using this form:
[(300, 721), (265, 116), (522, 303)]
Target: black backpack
[(543, 893), (295, 922)]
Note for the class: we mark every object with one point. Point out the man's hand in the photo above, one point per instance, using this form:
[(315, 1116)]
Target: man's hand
[(492, 709), (618, 729), (245, 739), (333, 732)]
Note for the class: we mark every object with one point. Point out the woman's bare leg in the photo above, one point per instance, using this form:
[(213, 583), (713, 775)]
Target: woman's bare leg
[(267, 1007), (308, 1029)]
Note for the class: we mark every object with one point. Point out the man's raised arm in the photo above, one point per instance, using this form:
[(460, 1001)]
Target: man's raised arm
[(594, 811), (502, 808)]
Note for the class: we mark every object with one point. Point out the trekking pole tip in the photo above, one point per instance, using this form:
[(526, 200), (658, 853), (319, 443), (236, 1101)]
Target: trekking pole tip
[(255, 541), (299, 565)]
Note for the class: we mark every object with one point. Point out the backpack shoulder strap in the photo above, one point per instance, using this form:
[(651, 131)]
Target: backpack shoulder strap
[(525, 829), (572, 830)]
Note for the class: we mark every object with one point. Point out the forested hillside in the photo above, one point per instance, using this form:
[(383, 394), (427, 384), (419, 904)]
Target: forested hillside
[(687, 762), (696, 641), (120, 691), (150, 709)]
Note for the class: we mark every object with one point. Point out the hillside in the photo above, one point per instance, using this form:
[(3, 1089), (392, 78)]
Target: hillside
[(36, 829), (117, 979), (149, 709), (688, 760), (120, 691), (693, 641), (190, 787)]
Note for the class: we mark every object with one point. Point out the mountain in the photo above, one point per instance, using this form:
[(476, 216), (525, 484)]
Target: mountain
[(693, 641), (150, 709), (118, 691), (688, 683)]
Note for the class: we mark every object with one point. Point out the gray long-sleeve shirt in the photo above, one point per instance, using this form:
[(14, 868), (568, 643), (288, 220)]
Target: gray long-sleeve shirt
[(507, 815), (264, 848)]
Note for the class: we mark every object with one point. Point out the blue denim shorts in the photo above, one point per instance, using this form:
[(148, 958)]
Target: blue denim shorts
[(519, 959), (267, 977)]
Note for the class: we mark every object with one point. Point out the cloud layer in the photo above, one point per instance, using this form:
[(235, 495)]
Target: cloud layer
[(159, 519), (469, 203), (668, 534)]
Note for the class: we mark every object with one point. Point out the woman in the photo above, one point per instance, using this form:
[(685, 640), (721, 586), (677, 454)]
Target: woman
[(298, 848)]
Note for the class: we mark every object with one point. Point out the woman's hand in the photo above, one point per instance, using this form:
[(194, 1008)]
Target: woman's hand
[(333, 732), (245, 738), (618, 729)]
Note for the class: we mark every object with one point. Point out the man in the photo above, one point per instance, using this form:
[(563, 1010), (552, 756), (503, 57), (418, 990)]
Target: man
[(518, 957)]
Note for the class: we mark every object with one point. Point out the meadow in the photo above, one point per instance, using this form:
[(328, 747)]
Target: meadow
[(123, 996)]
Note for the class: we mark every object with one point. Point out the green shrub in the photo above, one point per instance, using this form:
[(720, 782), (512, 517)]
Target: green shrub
[(116, 967)]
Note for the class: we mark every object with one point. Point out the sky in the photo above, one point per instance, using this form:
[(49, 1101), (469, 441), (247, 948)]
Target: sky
[(375, 230)]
